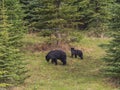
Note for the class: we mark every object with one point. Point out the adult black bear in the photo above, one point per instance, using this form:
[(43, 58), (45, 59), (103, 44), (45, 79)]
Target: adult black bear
[(76, 53), (56, 54)]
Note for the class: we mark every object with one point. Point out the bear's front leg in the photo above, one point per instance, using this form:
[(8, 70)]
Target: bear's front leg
[(64, 61), (55, 61), (75, 55), (52, 61), (72, 55)]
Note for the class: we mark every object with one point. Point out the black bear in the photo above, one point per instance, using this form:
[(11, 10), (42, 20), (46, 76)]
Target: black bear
[(76, 53), (56, 54)]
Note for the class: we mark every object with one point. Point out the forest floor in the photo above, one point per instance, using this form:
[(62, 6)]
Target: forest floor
[(76, 75)]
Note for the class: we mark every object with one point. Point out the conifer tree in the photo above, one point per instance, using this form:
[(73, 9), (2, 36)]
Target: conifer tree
[(50, 14), (11, 57), (27, 6), (112, 60), (83, 13), (3, 42), (100, 16)]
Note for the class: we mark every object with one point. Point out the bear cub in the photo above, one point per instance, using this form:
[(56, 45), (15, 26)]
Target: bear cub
[(75, 53)]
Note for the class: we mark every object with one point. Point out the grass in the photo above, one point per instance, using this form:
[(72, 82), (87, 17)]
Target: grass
[(76, 75)]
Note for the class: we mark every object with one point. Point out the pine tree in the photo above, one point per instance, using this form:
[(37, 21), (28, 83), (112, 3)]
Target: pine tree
[(112, 60)]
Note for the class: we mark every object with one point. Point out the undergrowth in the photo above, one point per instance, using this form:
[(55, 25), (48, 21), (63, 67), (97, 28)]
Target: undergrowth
[(76, 75)]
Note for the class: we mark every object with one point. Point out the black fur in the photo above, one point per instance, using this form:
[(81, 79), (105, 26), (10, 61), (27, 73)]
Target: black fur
[(76, 53), (56, 54)]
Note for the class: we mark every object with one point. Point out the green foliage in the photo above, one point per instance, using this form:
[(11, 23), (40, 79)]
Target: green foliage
[(100, 16), (76, 36), (2, 84), (76, 75), (113, 51), (49, 14), (93, 15), (45, 33), (11, 32)]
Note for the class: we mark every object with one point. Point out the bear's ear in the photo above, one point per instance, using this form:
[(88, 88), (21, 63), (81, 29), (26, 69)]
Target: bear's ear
[(72, 48)]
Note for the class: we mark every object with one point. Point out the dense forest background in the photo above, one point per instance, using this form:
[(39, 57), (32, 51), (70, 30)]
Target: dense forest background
[(60, 24)]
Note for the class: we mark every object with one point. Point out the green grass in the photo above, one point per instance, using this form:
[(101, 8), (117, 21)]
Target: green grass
[(76, 75)]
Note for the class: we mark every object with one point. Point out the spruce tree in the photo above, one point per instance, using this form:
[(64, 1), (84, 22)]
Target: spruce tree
[(11, 58), (28, 6), (49, 14), (83, 13), (112, 59), (3, 41), (100, 16)]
